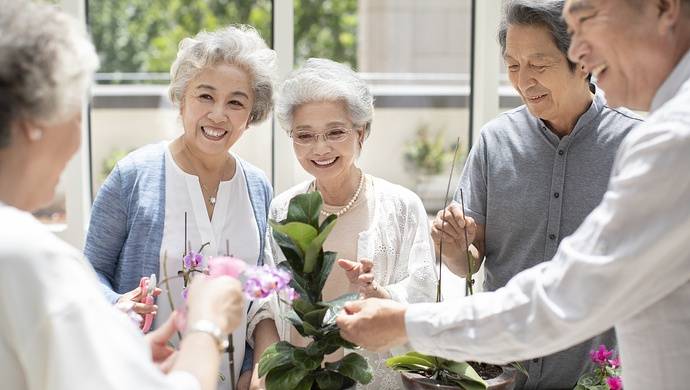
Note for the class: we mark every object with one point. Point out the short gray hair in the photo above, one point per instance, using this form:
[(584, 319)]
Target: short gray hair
[(239, 45), (46, 64), (322, 80), (546, 13)]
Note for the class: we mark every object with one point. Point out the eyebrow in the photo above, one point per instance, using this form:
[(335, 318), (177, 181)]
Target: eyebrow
[(212, 88)]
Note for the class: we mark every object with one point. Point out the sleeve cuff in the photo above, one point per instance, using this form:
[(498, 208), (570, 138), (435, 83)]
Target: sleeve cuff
[(419, 329)]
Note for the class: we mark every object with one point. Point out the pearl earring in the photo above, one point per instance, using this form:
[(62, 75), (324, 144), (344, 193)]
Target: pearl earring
[(35, 134)]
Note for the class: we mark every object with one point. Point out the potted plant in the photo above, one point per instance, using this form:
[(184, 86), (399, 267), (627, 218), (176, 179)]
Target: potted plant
[(420, 371), (427, 155), (285, 366)]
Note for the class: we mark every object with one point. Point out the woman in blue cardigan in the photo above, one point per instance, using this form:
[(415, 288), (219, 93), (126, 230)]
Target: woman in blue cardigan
[(165, 199)]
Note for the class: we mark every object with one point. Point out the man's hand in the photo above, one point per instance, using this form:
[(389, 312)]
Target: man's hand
[(361, 274), (161, 352), (450, 225), (374, 324)]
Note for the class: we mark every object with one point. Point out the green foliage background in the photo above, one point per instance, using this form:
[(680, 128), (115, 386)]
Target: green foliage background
[(143, 35)]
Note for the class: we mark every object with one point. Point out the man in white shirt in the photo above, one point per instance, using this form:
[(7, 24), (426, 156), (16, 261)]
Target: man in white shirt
[(628, 265)]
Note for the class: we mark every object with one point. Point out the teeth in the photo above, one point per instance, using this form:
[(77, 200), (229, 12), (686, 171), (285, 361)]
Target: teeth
[(537, 97), (213, 132), (598, 69), (324, 162)]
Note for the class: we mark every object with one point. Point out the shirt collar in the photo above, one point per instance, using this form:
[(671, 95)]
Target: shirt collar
[(598, 104), (673, 83)]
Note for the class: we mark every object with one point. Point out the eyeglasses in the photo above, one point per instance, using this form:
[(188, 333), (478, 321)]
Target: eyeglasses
[(334, 134)]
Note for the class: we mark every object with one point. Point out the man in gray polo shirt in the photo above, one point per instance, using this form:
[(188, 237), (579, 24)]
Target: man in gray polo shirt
[(536, 172)]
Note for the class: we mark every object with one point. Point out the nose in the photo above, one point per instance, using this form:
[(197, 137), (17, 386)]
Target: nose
[(525, 80), (217, 113), (578, 49), (320, 145)]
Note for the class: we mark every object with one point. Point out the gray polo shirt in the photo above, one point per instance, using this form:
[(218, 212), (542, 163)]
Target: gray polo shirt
[(530, 189)]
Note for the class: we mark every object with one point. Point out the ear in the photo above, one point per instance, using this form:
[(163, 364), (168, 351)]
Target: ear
[(31, 130), (670, 11)]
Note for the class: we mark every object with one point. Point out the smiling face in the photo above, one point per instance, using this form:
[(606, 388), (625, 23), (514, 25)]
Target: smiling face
[(623, 47), (326, 161), (539, 72), (216, 107)]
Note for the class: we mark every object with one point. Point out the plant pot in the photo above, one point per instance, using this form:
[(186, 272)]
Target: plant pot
[(505, 381)]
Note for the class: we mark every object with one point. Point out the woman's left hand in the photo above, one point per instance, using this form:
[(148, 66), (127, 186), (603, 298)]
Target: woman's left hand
[(361, 274), (162, 354)]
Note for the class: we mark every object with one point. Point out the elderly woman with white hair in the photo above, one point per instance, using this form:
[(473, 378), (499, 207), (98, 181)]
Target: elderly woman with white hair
[(382, 235), (56, 329), (166, 199)]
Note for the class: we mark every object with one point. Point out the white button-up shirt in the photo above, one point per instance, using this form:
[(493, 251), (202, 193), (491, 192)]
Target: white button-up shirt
[(628, 265)]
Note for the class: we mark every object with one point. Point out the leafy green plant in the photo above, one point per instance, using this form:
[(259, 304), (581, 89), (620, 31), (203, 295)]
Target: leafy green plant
[(445, 372), (427, 153), (301, 238)]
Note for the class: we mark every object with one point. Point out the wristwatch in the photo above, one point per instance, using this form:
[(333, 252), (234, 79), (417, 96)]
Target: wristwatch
[(209, 327)]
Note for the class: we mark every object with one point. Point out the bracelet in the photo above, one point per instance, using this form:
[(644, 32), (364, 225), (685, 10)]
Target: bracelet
[(210, 328)]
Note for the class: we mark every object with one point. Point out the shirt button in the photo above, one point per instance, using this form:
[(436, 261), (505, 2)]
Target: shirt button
[(560, 152), (556, 195), (552, 236)]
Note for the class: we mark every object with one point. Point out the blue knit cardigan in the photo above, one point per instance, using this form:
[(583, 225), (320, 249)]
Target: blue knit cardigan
[(124, 238)]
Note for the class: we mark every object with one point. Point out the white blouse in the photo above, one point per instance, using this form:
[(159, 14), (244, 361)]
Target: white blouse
[(399, 243), (233, 224)]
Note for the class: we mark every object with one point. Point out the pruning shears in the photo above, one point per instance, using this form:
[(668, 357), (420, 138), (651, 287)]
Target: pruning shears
[(147, 285)]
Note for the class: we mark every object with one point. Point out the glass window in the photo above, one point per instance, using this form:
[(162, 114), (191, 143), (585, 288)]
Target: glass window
[(416, 57)]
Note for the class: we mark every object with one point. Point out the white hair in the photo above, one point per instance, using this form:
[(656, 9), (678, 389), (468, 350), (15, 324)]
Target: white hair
[(322, 80), (46, 64), (239, 45)]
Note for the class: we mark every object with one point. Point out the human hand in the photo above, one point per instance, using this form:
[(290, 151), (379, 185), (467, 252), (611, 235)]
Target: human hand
[(217, 299), (451, 225), (162, 353), (135, 296), (361, 274), (374, 324)]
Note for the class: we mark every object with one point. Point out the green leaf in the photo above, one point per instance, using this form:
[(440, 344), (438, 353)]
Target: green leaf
[(353, 366), (296, 322), (409, 362), (326, 222), (303, 360), (326, 267), (276, 355), (285, 377), (305, 208), (306, 383), (336, 305), (300, 233), (293, 254), (312, 251), (330, 380), (315, 317), (469, 378)]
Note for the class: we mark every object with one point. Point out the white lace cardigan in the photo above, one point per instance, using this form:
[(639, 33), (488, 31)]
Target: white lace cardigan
[(398, 241)]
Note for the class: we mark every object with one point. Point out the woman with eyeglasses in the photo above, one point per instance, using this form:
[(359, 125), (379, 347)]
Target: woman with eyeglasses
[(382, 233)]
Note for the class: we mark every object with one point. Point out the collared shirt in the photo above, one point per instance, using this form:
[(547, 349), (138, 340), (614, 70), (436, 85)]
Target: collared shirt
[(530, 188), (627, 265)]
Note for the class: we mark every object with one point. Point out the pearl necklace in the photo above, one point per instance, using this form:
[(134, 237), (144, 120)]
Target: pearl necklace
[(350, 203)]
